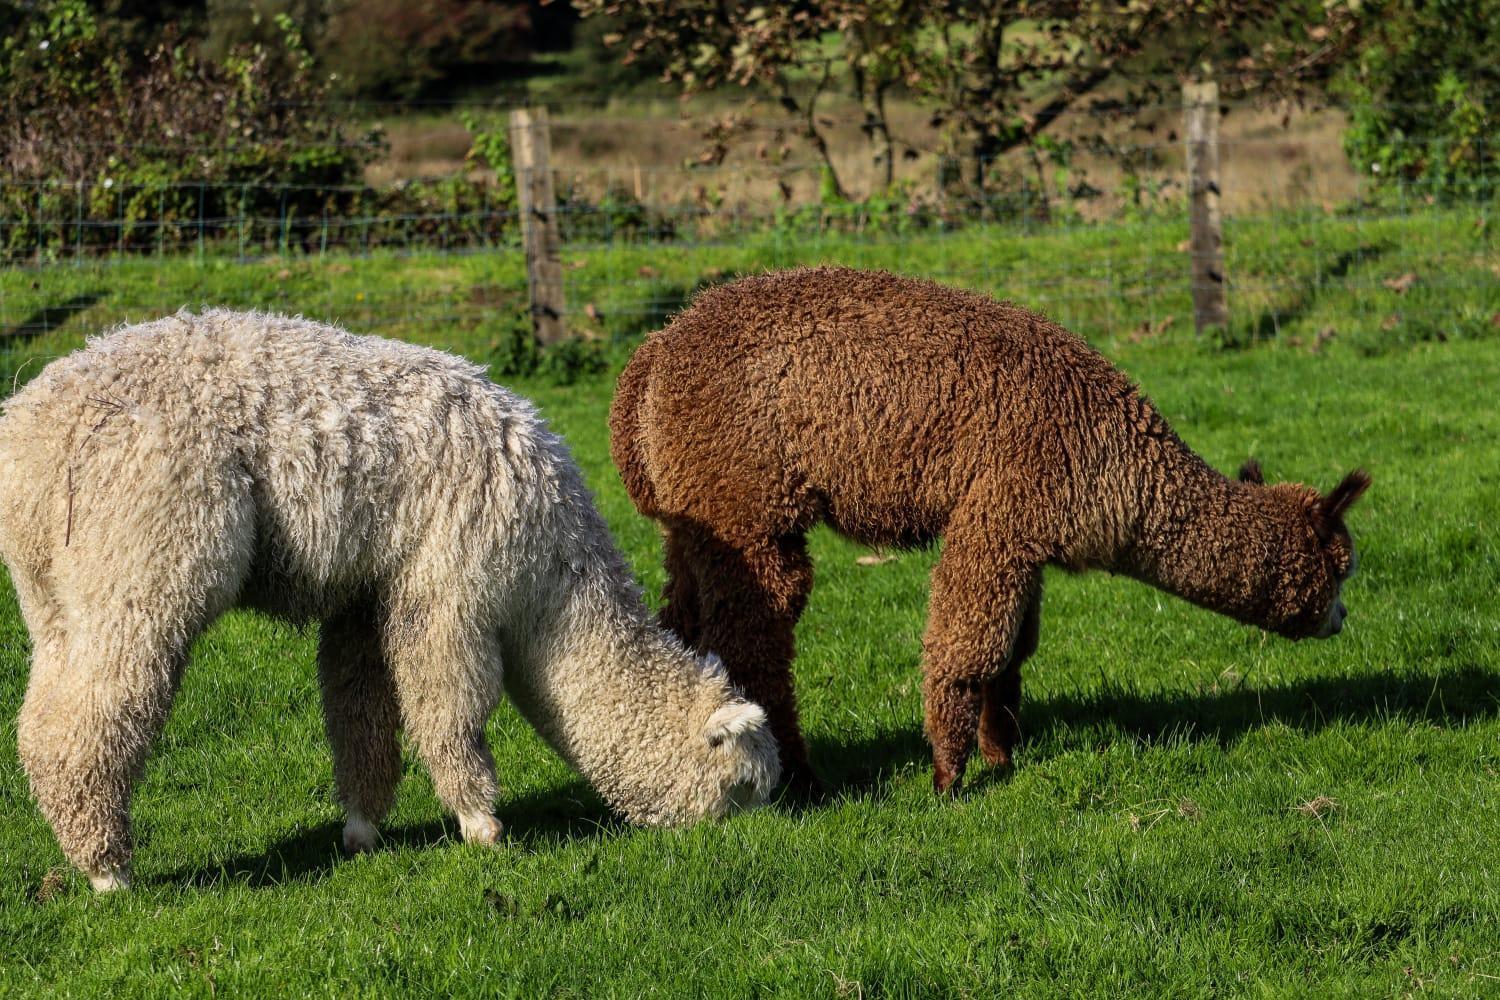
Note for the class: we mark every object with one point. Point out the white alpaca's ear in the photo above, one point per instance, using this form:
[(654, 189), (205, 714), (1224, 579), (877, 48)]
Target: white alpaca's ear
[(732, 720)]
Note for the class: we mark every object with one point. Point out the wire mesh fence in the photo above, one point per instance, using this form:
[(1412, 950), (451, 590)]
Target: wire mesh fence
[(1095, 235)]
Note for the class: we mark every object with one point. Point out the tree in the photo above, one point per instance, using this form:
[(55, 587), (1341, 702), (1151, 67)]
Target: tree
[(394, 48), (996, 74)]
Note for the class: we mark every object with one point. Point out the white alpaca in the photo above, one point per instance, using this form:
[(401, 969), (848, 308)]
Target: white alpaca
[(440, 533)]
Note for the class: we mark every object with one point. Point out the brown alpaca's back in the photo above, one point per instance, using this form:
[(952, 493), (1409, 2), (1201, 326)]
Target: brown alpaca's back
[(899, 411), (865, 399)]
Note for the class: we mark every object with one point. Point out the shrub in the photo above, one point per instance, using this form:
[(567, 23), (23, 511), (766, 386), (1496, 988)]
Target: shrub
[(1422, 99)]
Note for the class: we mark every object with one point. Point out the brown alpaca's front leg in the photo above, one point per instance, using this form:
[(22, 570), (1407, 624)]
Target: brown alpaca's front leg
[(979, 604), (681, 605), (1000, 719), (749, 600)]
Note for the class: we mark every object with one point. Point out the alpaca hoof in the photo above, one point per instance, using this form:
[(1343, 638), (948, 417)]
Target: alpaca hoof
[(996, 755), (360, 835), (946, 781), (110, 879), (480, 828)]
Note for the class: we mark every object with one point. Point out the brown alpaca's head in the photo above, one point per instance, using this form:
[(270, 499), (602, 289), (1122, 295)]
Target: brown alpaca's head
[(1316, 556)]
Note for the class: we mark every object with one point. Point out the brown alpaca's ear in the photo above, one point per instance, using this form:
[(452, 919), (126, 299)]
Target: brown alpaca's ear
[(1342, 496), (1250, 473)]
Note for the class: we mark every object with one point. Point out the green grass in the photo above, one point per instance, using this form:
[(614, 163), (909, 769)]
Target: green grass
[(1168, 830)]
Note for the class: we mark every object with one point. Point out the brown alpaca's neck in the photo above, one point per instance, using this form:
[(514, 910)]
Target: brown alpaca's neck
[(1206, 539)]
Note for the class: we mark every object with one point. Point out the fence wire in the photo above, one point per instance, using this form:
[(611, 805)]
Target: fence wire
[(1314, 249)]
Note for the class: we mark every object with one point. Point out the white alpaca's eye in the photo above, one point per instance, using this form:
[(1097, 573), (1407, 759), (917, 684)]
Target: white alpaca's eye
[(716, 740)]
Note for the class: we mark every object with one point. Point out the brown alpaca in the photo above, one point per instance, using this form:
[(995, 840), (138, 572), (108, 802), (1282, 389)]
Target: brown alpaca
[(900, 411)]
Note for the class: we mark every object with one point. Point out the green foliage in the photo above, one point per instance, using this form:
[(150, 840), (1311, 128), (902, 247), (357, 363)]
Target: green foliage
[(565, 362), (1422, 94), (115, 150), (79, 102), (616, 216), (490, 147)]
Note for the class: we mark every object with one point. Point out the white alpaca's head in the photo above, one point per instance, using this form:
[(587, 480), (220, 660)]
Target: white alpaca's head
[(715, 758)]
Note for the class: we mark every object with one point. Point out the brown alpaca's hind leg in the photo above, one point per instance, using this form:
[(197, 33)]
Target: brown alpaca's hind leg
[(750, 599), (1000, 719), (979, 602), (362, 718)]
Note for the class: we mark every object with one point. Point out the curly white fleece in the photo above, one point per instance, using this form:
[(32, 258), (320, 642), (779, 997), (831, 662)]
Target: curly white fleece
[(427, 517)]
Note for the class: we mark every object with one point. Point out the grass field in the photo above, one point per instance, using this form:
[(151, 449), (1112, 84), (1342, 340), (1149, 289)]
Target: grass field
[(1199, 809)]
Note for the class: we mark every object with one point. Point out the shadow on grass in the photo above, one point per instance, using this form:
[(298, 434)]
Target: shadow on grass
[(867, 768), (1065, 722), (569, 813), (48, 318), (1301, 298)]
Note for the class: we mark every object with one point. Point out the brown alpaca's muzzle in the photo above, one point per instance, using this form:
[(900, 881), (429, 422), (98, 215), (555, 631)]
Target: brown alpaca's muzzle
[(1334, 623)]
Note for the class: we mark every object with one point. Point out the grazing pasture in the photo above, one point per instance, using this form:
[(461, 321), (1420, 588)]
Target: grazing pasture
[(1198, 808)]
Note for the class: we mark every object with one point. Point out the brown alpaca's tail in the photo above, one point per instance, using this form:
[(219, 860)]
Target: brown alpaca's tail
[(627, 442)]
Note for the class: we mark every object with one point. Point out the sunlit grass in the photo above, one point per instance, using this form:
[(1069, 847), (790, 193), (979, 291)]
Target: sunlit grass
[(1199, 808)]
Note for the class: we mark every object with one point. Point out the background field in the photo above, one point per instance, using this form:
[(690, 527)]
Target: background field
[(1199, 808)]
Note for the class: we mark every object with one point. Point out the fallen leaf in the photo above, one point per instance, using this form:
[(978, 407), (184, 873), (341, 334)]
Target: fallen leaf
[(875, 559), (1401, 285), (52, 884), (576, 265), (1188, 809), (646, 271), (1495, 320), (591, 311), (1317, 808), (1391, 322), (1150, 329), (283, 274), (1184, 246)]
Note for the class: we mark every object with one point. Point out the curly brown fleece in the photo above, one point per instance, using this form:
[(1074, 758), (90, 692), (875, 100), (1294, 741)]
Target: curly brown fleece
[(899, 411)]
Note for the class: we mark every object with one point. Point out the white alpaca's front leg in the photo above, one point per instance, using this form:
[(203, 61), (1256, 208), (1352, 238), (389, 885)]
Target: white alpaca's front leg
[(480, 828), (111, 878)]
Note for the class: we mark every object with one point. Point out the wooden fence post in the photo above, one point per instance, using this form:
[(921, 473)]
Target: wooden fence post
[(1200, 102), (531, 148)]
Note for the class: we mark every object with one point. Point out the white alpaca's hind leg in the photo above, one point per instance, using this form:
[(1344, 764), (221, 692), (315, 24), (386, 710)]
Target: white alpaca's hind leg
[(102, 682), (86, 726), (362, 719)]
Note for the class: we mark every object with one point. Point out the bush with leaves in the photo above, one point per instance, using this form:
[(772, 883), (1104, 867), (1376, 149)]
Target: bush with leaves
[(94, 131), (1423, 93)]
